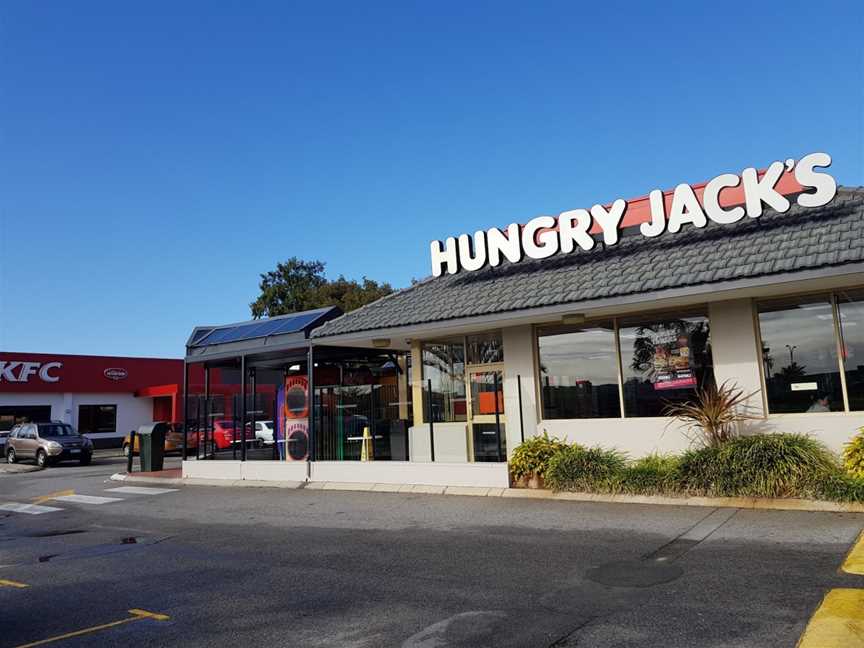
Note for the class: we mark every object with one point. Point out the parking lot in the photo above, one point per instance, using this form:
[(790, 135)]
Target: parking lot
[(87, 561)]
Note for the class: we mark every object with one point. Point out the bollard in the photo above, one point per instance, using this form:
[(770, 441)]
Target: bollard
[(131, 451)]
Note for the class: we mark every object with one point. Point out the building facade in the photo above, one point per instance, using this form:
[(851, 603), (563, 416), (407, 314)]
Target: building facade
[(103, 397), (592, 344)]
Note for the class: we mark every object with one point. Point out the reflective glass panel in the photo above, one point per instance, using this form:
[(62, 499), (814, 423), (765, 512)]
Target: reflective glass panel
[(444, 366), (850, 306), (579, 372), (799, 355), (663, 361)]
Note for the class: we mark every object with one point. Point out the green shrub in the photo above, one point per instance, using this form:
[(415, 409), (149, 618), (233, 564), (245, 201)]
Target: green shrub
[(591, 470), (764, 465), (649, 475), (532, 457), (840, 487), (853, 455)]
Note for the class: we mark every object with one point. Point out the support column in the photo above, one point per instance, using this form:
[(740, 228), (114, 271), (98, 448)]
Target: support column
[(735, 349), (518, 344)]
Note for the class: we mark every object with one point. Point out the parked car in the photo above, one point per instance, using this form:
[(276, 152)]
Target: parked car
[(173, 440), (223, 434), (264, 432), (48, 443)]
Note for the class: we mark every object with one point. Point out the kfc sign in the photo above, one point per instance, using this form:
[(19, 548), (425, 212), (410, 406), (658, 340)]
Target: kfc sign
[(16, 371), (579, 229)]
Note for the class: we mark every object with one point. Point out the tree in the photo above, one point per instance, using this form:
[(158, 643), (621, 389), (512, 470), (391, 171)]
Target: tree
[(793, 371), (298, 285)]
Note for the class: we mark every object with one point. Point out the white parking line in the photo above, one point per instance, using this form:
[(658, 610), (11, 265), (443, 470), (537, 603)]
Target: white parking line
[(140, 490), (30, 509), (87, 499)]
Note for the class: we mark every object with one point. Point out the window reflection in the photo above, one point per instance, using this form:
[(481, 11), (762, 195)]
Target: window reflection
[(444, 366), (664, 361), (579, 372), (485, 348), (799, 355), (850, 306)]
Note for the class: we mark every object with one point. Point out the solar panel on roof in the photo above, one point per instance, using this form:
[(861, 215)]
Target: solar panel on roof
[(258, 329), (200, 334)]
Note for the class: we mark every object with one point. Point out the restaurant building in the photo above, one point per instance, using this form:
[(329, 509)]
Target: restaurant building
[(103, 397), (587, 329)]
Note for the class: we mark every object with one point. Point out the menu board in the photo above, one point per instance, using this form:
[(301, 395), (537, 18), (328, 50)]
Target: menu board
[(672, 360)]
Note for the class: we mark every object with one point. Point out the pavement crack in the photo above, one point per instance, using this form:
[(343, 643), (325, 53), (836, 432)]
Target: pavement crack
[(693, 536), (564, 639)]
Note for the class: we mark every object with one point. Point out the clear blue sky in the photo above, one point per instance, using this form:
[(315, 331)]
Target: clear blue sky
[(156, 157)]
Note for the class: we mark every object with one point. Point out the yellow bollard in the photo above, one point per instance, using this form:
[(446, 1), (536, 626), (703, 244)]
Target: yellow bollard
[(366, 448)]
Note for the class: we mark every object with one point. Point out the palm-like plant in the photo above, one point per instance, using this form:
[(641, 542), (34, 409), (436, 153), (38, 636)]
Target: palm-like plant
[(716, 413)]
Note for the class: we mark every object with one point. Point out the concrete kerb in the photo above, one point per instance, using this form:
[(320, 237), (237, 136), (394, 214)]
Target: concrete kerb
[(516, 493)]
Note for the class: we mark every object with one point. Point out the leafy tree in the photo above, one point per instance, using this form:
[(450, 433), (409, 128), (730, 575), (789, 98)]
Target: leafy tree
[(298, 285), (793, 371)]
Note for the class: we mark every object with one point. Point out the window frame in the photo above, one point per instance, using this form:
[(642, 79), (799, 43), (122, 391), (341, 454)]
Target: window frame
[(831, 295), (97, 405), (538, 386), (700, 310)]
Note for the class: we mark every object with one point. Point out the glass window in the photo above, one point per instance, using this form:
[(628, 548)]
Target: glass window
[(485, 349), (487, 393), (663, 361), (444, 365), (95, 419), (579, 372), (799, 355), (850, 306)]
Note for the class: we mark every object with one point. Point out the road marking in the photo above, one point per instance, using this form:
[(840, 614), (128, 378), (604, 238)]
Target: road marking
[(30, 509), (838, 622), (137, 615), (141, 490), (50, 496), (11, 583), (854, 563), (87, 499)]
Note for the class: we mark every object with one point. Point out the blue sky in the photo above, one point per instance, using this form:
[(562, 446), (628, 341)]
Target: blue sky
[(155, 158)]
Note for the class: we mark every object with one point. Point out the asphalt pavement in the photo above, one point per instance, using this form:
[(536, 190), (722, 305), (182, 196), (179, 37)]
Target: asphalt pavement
[(282, 567)]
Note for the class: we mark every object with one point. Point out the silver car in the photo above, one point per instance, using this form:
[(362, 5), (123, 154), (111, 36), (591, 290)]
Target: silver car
[(48, 443)]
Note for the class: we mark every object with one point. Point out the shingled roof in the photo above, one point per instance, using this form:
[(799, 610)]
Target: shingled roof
[(801, 239)]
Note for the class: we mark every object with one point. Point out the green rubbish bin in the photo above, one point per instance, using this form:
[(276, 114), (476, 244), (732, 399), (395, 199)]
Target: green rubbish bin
[(152, 446)]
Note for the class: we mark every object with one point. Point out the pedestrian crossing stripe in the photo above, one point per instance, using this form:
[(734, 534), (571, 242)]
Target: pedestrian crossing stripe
[(87, 499), (141, 490), (29, 509)]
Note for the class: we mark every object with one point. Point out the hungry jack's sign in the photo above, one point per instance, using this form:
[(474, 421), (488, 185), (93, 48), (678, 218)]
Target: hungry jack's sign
[(546, 236)]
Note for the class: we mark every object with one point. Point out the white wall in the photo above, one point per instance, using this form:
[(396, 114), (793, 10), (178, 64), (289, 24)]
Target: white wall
[(451, 442), (736, 358), (404, 472), (54, 400), (131, 411), (518, 345), (735, 349)]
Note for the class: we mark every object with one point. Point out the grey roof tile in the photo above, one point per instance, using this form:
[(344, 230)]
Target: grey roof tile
[(799, 240)]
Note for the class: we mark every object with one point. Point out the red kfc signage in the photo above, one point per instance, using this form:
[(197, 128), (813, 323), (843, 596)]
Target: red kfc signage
[(18, 371), (43, 373)]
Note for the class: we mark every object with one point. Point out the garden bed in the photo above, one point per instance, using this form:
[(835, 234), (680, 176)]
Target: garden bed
[(789, 468)]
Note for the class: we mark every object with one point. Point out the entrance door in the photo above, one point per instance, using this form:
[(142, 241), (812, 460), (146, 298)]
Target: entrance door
[(486, 418)]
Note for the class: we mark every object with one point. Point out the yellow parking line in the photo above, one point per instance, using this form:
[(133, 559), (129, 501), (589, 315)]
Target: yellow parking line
[(11, 583), (137, 615), (50, 496), (838, 623), (854, 563)]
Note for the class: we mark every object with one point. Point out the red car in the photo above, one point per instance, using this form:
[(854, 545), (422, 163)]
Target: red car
[(223, 434)]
